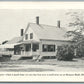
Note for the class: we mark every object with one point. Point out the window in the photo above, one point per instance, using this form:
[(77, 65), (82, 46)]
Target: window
[(51, 48), (35, 47), (26, 36), (45, 48), (28, 47), (31, 35), (48, 48)]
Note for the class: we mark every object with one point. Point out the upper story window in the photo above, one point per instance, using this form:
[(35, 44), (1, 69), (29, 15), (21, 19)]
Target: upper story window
[(26, 36), (31, 35)]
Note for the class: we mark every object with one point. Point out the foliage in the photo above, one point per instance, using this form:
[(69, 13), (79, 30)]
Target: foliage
[(80, 50), (65, 53), (77, 23)]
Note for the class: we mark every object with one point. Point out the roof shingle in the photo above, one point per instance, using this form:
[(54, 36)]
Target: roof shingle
[(15, 40), (49, 32)]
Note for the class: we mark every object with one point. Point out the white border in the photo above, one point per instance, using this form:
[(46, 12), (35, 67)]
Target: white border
[(41, 5), (9, 76)]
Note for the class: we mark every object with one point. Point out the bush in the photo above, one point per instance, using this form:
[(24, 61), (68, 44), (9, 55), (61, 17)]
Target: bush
[(65, 53), (80, 51)]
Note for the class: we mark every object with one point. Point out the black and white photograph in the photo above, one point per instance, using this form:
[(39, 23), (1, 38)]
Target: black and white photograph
[(41, 40)]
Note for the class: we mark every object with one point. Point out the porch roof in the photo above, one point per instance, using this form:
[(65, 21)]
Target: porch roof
[(30, 41), (8, 45), (27, 42), (15, 40)]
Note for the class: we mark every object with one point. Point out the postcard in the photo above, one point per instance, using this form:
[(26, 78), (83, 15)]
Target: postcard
[(41, 41)]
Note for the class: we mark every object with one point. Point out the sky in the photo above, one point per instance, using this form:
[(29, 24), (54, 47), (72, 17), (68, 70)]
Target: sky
[(12, 20)]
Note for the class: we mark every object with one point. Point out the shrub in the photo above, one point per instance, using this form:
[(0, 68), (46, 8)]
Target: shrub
[(80, 51), (65, 53)]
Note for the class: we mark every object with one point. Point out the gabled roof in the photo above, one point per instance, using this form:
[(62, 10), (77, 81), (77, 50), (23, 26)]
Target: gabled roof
[(48, 32), (14, 40)]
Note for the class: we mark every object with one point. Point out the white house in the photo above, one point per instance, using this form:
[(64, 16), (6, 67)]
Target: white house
[(41, 41)]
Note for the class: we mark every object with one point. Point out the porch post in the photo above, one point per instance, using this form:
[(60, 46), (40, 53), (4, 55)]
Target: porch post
[(24, 49), (31, 48), (56, 50), (40, 51), (40, 48)]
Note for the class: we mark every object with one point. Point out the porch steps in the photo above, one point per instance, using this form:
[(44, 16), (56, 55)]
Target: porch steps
[(39, 58), (15, 57)]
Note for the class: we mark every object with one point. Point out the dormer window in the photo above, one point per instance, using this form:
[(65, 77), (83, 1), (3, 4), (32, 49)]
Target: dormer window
[(26, 36), (31, 35)]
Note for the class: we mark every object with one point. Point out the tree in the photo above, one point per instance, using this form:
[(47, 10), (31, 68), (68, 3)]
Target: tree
[(77, 22)]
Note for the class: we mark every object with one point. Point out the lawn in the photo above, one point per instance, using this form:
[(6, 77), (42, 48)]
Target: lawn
[(46, 65)]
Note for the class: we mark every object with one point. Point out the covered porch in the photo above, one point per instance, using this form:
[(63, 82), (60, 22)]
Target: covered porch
[(27, 48), (7, 49)]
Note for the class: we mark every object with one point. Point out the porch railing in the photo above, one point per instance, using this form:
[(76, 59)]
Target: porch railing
[(24, 53)]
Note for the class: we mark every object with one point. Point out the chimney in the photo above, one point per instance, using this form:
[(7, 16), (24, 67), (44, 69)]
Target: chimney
[(37, 20), (58, 23), (22, 31)]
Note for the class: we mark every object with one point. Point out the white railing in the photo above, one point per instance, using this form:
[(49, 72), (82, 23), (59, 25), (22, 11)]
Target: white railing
[(24, 53)]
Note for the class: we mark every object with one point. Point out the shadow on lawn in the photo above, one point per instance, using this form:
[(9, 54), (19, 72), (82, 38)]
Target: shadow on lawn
[(74, 60)]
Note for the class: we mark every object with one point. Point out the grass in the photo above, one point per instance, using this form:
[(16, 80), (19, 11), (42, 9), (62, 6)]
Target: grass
[(46, 65)]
